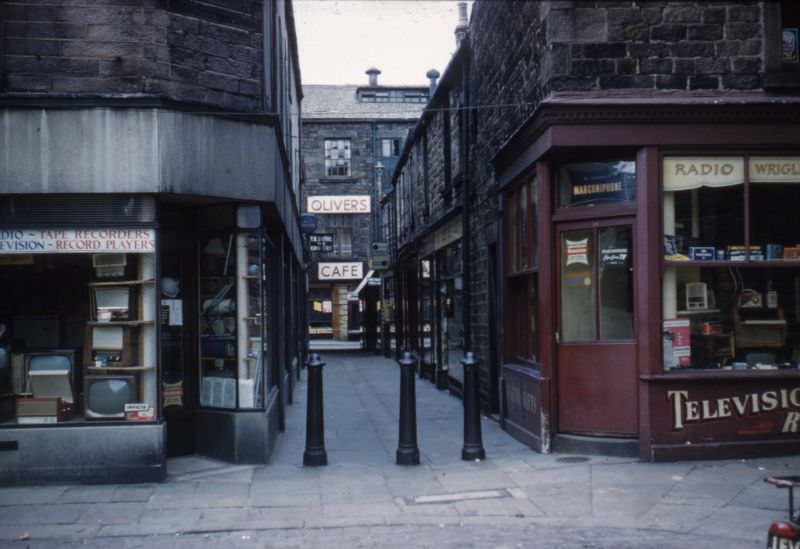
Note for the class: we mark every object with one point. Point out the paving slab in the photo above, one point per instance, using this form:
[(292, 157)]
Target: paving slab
[(363, 499)]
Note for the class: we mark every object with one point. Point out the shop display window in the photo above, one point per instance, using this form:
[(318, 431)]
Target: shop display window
[(426, 311), (78, 335), (731, 278), (521, 258), (231, 321)]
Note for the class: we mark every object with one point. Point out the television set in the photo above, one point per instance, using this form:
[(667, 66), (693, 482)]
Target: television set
[(112, 303), (49, 360), (105, 397), (109, 265)]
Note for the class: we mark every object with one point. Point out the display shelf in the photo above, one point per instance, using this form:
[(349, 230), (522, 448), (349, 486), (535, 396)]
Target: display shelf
[(97, 284), (128, 323), (778, 263), (118, 368), (698, 312)]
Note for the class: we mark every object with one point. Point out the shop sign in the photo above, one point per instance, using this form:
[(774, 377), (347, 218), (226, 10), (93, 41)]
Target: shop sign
[(686, 410), (77, 241), (595, 182), (320, 242), (308, 223), (774, 169), (448, 233), (577, 252), (346, 204), (340, 271), (692, 172)]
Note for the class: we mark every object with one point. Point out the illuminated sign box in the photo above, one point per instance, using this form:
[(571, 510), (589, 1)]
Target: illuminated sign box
[(340, 271), (345, 204)]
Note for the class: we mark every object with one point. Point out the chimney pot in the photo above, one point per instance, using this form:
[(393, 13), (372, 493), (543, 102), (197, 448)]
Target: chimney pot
[(433, 76), (462, 29), (373, 76)]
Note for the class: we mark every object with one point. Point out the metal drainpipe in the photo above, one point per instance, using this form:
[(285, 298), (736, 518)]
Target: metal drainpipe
[(466, 210)]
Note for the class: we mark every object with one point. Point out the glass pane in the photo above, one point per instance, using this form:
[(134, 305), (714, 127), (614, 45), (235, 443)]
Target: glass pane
[(616, 283), (249, 296), (774, 202), (577, 286), (593, 183), (217, 321), (704, 218), (731, 318)]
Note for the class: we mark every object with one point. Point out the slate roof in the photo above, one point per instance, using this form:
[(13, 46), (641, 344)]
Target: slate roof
[(341, 103)]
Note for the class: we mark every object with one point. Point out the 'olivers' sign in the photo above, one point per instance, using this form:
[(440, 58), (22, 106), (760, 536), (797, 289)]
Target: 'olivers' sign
[(345, 204), (686, 410)]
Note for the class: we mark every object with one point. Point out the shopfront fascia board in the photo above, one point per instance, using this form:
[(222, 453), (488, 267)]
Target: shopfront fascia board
[(138, 150)]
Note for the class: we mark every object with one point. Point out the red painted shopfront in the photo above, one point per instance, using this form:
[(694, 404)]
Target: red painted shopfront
[(651, 276)]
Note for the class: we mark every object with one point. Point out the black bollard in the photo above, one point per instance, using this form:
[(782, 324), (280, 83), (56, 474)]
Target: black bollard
[(407, 450), (473, 443), (315, 454)]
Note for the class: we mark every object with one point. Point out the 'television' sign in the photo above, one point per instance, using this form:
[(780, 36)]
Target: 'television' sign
[(345, 204), (76, 241), (340, 271)]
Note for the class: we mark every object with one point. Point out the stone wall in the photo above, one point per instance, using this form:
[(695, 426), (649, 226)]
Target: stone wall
[(208, 52), (362, 168)]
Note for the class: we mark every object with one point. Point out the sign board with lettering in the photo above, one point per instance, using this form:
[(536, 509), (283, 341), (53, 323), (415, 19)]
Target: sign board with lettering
[(523, 413), (308, 223), (683, 173), (774, 169), (340, 271), (77, 241), (744, 411), (345, 204), (320, 242)]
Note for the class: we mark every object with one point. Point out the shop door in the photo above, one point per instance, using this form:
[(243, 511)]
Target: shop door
[(596, 339)]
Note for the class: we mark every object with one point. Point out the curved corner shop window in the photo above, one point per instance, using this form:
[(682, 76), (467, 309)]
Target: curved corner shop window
[(79, 342), (731, 277), (596, 183)]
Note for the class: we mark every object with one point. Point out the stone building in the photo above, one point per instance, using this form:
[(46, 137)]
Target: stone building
[(352, 137), (149, 229), (597, 134)]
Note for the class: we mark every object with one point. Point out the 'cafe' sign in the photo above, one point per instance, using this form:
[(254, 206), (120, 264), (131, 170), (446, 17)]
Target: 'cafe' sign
[(340, 271)]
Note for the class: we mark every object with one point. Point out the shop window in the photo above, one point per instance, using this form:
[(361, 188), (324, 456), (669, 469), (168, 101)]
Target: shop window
[(231, 321), (337, 157), (521, 343), (78, 331), (730, 285), (520, 218), (426, 311), (320, 309), (790, 29), (597, 183)]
